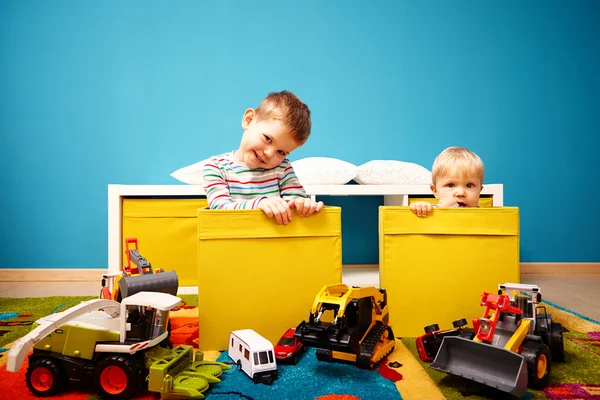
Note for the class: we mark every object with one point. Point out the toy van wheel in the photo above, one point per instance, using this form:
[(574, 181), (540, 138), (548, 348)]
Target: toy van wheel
[(537, 357), (44, 377), (239, 365), (432, 328)]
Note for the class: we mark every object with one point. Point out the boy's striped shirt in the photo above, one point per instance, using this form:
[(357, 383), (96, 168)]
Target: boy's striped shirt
[(230, 184)]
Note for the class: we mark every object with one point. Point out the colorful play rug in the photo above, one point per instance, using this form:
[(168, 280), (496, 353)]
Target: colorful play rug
[(401, 376)]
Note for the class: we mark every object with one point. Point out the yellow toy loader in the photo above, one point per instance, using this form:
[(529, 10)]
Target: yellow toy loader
[(349, 324), (514, 343)]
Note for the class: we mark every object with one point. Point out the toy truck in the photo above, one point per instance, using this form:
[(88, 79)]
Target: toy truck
[(114, 348), (350, 324), (513, 343)]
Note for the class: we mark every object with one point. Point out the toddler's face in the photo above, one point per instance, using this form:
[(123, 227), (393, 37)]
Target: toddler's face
[(265, 144), (458, 187)]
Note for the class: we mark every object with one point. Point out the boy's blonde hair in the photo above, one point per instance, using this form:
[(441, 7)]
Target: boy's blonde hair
[(290, 110), (458, 158)]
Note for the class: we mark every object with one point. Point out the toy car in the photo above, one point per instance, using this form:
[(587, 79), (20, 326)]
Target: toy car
[(288, 347)]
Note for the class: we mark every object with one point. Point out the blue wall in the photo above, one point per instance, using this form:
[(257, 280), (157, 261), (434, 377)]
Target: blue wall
[(93, 93)]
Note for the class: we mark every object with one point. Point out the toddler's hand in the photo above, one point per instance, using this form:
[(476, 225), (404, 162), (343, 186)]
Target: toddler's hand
[(306, 207), (447, 201), (421, 208), (276, 207)]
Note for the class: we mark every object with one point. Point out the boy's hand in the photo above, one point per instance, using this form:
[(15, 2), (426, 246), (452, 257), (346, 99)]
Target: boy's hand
[(306, 207), (421, 208), (276, 207)]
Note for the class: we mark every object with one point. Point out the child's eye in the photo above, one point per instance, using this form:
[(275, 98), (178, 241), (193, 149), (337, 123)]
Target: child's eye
[(470, 185), (267, 139), (281, 153), (450, 185)]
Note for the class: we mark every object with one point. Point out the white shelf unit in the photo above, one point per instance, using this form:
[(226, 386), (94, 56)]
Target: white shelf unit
[(393, 195)]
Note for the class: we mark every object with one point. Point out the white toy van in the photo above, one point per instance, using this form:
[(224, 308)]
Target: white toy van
[(253, 354)]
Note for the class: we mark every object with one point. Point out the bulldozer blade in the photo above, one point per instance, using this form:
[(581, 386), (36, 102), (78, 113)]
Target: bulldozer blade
[(492, 366)]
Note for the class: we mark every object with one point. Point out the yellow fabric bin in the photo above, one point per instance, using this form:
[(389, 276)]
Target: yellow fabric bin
[(436, 268), (166, 232), (255, 274)]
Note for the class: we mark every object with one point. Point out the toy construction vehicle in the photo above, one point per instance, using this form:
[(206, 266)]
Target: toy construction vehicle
[(140, 265), (114, 348), (137, 277), (349, 324), (513, 344)]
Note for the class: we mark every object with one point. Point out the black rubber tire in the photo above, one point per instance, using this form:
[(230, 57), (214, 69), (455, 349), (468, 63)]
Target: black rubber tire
[(132, 368), (432, 328), (538, 359), (459, 323), (45, 366), (557, 346), (239, 365), (324, 355)]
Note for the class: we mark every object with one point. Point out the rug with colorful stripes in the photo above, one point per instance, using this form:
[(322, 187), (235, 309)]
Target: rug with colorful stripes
[(401, 376)]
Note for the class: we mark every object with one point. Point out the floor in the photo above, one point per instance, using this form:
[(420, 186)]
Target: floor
[(578, 293)]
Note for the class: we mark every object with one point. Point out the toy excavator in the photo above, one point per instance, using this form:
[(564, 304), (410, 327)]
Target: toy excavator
[(513, 343), (349, 324), (137, 276)]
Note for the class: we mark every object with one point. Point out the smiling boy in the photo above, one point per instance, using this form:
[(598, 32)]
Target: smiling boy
[(457, 176), (258, 174)]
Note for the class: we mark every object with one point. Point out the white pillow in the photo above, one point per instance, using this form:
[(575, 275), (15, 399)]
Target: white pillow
[(392, 172), (192, 174), (324, 171)]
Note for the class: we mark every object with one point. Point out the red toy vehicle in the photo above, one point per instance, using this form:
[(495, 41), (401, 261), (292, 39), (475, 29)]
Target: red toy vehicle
[(288, 347)]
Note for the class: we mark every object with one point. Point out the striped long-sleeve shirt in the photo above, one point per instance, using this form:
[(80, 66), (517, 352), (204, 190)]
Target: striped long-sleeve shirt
[(230, 184)]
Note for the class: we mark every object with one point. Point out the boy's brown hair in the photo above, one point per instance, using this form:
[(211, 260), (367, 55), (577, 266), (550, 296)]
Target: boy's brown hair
[(290, 110)]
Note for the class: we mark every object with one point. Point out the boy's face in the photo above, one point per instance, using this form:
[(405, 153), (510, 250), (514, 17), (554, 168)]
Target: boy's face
[(265, 143), (458, 187)]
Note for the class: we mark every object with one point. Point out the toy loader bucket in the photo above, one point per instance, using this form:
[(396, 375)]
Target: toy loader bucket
[(493, 366)]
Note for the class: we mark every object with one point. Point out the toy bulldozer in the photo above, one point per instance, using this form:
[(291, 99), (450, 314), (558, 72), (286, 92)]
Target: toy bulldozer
[(349, 324), (513, 346)]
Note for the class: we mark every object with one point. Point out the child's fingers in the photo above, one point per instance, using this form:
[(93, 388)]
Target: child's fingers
[(309, 207), (300, 206), (320, 206), (284, 213)]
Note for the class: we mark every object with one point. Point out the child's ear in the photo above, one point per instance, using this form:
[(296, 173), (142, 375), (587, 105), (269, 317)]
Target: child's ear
[(433, 190), (249, 116)]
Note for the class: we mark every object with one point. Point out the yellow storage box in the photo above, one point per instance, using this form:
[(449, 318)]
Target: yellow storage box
[(166, 232), (436, 268), (255, 274)]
